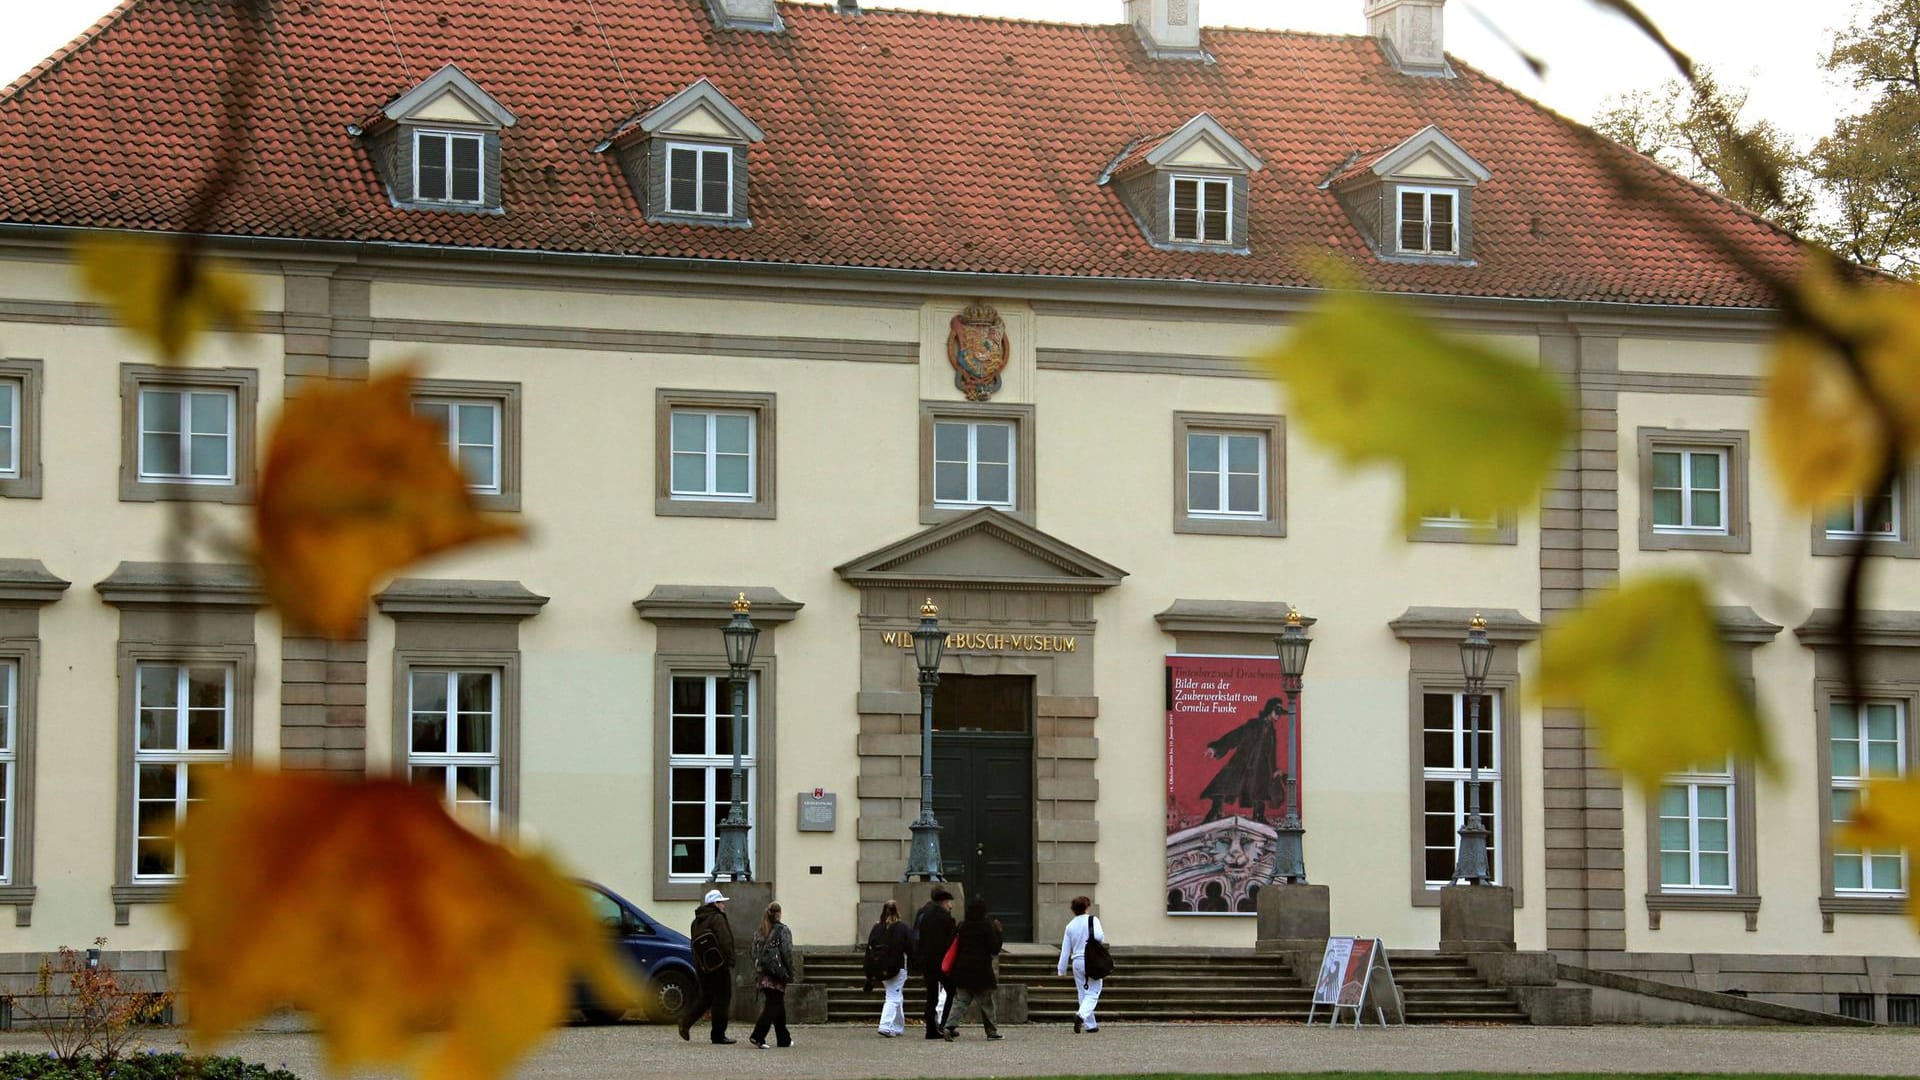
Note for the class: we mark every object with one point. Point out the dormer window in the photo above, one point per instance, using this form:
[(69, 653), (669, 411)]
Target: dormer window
[(437, 146), (699, 180), (1428, 223), (446, 167), (1202, 211), (686, 159), (1187, 189)]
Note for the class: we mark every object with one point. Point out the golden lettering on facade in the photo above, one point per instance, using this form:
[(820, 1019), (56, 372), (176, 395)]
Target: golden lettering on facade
[(994, 642)]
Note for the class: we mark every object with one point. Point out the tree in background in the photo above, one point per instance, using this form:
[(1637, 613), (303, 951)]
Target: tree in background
[(1696, 131), (1866, 168)]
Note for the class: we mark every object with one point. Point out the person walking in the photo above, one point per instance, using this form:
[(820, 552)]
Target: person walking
[(1082, 928), (713, 957), (895, 942), (934, 925), (979, 939), (772, 971)]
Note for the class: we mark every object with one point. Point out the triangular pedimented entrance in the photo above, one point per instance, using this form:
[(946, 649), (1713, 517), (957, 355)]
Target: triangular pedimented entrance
[(982, 549)]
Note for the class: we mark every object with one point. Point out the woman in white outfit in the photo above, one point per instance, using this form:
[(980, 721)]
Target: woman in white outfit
[(1073, 955), (899, 939)]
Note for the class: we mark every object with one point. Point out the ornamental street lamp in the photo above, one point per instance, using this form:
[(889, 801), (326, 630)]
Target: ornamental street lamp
[(929, 644), (732, 861), (1289, 856), (1476, 657)]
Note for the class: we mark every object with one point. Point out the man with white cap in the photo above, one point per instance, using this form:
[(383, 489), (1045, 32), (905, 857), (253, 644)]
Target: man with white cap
[(713, 956)]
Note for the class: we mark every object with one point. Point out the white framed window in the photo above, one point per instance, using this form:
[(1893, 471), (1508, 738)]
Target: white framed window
[(699, 180), (1875, 516), (453, 747), (973, 463), (1454, 519), (1865, 740), (1429, 221), (700, 769), (1226, 474), (1200, 209), (1697, 823), (472, 430), (183, 733), (186, 436), (9, 758), (1689, 492), (447, 167), (10, 409), (711, 455), (1446, 741)]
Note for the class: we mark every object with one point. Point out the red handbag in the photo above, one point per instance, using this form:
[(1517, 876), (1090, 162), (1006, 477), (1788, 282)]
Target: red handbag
[(946, 965)]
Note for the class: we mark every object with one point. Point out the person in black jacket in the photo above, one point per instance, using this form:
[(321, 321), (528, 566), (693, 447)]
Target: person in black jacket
[(895, 944), (713, 955), (934, 922), (980, 939)]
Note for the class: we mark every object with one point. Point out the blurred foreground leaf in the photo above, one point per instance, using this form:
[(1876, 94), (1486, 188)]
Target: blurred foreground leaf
[(1647, 666), (1827, 439), (1474, 430), (1887, 818), (401, 932), (162, 290), (355, 487)]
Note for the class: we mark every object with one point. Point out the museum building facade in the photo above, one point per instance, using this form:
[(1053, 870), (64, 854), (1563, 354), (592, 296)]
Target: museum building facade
[(846, 311)]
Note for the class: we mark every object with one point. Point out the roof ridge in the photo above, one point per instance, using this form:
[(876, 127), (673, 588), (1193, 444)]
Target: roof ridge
[(61, 54), (962, 16)]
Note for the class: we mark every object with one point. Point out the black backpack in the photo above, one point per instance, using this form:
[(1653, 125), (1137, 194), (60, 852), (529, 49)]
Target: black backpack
[(874, 964)]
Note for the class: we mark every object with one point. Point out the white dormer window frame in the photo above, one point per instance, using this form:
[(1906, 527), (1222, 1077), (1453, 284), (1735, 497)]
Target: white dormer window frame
[(450, 138), (701, 153), (1426, 196), (1200, 210)]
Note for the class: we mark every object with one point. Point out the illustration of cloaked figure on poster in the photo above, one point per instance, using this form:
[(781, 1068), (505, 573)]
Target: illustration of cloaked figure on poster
[(1250, 775)]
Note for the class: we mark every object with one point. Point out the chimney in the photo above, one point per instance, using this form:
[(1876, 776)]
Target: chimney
[(760, 15), (848, 7), (1412, 34), (1170, 29)]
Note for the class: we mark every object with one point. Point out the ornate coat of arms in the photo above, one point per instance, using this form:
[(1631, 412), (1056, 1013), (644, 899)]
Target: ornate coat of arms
[(977, 349)]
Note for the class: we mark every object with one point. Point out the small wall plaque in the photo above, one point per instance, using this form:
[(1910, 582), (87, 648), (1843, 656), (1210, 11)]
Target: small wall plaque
[(817, 811)]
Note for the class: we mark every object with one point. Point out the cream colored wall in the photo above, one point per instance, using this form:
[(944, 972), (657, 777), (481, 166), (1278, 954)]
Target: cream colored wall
[(81, 530), (1783, 581)]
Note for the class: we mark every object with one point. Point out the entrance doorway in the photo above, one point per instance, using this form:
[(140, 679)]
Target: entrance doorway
[(983, 791)]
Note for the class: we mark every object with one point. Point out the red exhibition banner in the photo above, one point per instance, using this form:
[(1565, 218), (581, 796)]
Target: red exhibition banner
[(1226, 756)]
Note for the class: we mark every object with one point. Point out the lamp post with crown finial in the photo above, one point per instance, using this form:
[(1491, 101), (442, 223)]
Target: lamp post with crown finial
[(1289, 855), (732, 860), (1476, 657), (929, 644)]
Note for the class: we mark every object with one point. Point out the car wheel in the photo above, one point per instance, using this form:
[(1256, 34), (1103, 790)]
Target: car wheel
[(670, 994)]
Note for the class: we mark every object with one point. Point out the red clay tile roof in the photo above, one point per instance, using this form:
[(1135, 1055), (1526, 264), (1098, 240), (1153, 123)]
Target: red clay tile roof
[(1361, 164), (894, 139)]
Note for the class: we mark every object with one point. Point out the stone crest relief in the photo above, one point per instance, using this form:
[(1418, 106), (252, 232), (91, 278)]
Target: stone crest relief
[(977, 349)]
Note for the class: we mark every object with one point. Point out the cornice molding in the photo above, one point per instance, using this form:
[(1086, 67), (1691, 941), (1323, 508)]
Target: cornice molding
[(29, 581), (168, 584), (464, 598), (1266, 618), (713, 604), (1450, 624)]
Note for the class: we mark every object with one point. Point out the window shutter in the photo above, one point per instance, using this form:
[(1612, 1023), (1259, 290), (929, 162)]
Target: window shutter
[(1440, 227), (430, 155), (682, 190), (466, 170), (716, 182), (1413, 221)]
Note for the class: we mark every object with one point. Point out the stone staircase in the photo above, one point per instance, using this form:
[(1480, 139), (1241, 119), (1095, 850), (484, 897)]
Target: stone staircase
[(1171, 984)]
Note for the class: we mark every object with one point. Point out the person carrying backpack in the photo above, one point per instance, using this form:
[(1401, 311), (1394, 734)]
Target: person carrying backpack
[(888, 944), (1084, 951), (713, 956)]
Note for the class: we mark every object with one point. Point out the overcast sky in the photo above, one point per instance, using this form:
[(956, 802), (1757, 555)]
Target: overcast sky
[(1772, 46)]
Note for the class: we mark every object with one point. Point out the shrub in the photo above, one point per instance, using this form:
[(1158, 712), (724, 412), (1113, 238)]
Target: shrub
[(91, 1014), (136, 1066)]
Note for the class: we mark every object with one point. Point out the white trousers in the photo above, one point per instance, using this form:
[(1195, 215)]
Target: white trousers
[(1089, 990), (893, 1015)]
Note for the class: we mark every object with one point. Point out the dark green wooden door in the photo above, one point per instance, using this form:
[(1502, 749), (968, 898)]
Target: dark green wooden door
[(983, 793)]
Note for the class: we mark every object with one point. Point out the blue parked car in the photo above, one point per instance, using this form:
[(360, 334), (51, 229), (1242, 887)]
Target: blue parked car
[(662, 955)]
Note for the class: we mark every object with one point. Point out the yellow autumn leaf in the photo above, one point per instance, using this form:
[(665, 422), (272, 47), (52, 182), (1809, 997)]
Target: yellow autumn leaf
[(1827, 441), (163, 290), (1647, 666), (405, 936), (356, 486), (1473, 430)]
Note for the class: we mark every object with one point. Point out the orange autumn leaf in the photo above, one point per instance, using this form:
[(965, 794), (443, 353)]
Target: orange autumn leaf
[(355, 487), (404, 935)]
